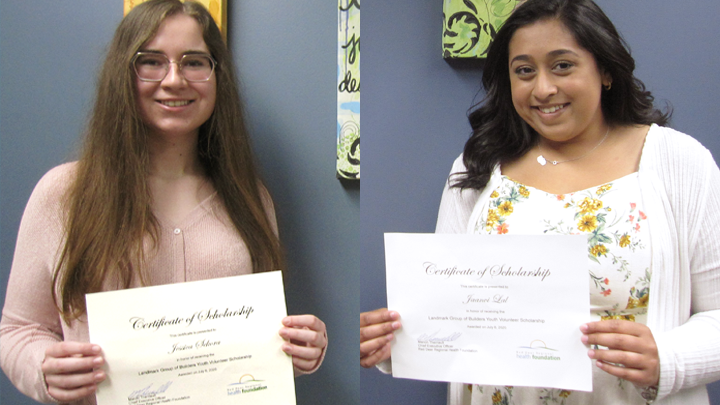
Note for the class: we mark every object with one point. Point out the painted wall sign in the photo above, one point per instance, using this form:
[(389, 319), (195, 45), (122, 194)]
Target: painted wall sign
[(217, 8), (470, 25), (348, 90)]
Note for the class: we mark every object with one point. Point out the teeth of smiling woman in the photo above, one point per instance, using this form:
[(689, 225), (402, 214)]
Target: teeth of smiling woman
[(175, 103), (551, 109)]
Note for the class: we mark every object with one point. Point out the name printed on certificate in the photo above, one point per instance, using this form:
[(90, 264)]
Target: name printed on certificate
[(490, 309), (202, 342)]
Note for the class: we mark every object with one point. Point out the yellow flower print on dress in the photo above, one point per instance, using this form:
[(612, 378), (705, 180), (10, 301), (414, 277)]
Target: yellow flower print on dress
[(638, 298), (595, 218), (599, 250), (629, 317), (635, 303), (497, 397), (613, 248), (603, 189), (492, 219), (587, 223), (590, 205), (502, 204), (502, 396), (551, 396), (505, 208)]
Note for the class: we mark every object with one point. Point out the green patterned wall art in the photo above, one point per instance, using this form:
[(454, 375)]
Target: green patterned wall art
[(348, 90), (470, 25)]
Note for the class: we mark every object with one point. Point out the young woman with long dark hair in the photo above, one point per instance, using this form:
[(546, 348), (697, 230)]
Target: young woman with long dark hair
[(567, 141)]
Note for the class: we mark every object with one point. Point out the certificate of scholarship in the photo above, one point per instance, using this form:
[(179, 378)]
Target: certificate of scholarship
[(490, 309), (203, 342)]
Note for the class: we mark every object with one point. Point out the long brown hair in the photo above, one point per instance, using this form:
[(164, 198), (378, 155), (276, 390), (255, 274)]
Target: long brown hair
[(109, 215)]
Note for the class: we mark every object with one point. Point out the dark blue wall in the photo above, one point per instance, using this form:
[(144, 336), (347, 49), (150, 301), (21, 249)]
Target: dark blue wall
[(286, 57), (49, 53), (414, 123)]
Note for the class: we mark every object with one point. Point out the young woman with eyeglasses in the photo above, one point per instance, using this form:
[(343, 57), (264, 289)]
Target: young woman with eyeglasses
[(165, 191)]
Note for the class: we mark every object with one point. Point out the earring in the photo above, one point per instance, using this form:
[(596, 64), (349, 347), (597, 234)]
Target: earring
[(609, 85)]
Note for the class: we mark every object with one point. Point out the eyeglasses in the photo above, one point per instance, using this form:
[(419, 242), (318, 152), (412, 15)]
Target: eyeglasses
[(153, 67)]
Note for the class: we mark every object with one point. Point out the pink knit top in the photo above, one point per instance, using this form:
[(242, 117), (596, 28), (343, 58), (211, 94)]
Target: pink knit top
[(204, 245)]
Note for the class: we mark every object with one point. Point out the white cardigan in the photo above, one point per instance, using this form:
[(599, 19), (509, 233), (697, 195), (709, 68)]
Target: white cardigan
[(680, 188)]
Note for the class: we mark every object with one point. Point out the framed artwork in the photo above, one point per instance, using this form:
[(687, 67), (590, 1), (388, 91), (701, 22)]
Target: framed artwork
[(217, 8), (470, 25), (348, 90)]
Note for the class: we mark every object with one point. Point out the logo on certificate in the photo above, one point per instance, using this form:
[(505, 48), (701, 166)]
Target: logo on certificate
[(246, 384), (537, 350)]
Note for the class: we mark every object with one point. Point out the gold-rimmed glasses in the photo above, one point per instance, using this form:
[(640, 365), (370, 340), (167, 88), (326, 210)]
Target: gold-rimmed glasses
[(153, 67)]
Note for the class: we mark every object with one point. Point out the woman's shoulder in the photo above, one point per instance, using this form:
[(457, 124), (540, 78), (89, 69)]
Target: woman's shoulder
[(458, 165), (671, 149), (671, 141), (63, 172), (456, 204), (459, 169), (54, 185), (681, 163)]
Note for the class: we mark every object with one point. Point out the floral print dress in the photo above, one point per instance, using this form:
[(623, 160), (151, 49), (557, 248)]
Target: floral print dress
[(612, 217)]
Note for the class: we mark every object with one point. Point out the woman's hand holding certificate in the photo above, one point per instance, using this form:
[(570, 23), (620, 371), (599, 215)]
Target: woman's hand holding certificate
[(631, 354), (71, 370), (376, 329), (305, 339)]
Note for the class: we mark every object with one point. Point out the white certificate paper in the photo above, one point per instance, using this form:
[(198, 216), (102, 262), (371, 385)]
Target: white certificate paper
[(490, 309), (203, 342)]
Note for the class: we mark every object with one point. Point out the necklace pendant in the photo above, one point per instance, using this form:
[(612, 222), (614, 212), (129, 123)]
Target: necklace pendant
[(554, 162), (541, 160)]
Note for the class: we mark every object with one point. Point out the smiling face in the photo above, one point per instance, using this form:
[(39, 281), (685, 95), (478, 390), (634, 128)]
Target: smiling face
[(556, 84), (175, 107)]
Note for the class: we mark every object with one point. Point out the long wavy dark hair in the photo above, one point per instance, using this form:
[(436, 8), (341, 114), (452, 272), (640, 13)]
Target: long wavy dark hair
[(500, 135), (109, 215)]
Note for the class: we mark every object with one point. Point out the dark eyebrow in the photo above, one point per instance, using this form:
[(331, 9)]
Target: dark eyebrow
[(560, 52), (553, 54), (522, 58)]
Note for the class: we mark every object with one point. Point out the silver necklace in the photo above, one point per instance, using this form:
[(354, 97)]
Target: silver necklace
[(541, 159)]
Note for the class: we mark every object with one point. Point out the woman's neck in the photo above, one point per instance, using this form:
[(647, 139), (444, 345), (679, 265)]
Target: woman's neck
[(177, 181), (174, 158)]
